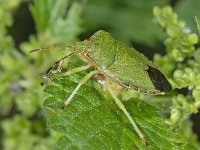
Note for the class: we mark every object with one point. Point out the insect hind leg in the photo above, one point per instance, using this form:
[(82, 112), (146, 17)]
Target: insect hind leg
[(122, 107)]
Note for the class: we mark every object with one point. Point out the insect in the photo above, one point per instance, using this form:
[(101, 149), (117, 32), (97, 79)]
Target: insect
[(116, 62)]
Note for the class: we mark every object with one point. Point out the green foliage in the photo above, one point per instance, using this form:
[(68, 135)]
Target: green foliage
[(24, 126), (6, 61), (187, 10), (19, 136), (6, 14), (184, 58), (180, 43), (53, 24), (91, 120), (180, 49), (198, 23), (130, 20)]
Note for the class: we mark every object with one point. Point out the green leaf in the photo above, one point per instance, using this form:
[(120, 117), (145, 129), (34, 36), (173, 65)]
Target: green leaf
[(93, 121), (56, 21), (180, 43), (22, 134)]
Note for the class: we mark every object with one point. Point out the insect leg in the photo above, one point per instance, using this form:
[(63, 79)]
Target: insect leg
[(53, 71), (59, 63), (82, 81), (72, 71), (121, 106), (75, 70), (57, 66)]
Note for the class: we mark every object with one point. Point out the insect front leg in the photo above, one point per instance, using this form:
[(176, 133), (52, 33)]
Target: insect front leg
[(56, 68), (69, 72), (54, 71), (82, 81), (121, 106)]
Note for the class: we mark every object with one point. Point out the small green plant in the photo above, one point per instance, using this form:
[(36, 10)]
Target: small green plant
[(183, 59), (23, 121)]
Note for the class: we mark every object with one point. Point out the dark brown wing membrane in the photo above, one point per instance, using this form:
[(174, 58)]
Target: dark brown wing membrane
[(159, 80)]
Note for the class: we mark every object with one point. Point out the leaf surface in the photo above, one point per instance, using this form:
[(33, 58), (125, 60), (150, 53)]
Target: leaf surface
[(92, 121)]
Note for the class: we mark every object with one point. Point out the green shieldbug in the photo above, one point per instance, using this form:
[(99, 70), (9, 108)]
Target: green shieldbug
[(117, 63)]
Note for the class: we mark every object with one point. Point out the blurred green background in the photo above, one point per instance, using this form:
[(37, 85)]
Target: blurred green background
[(30, 24)]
